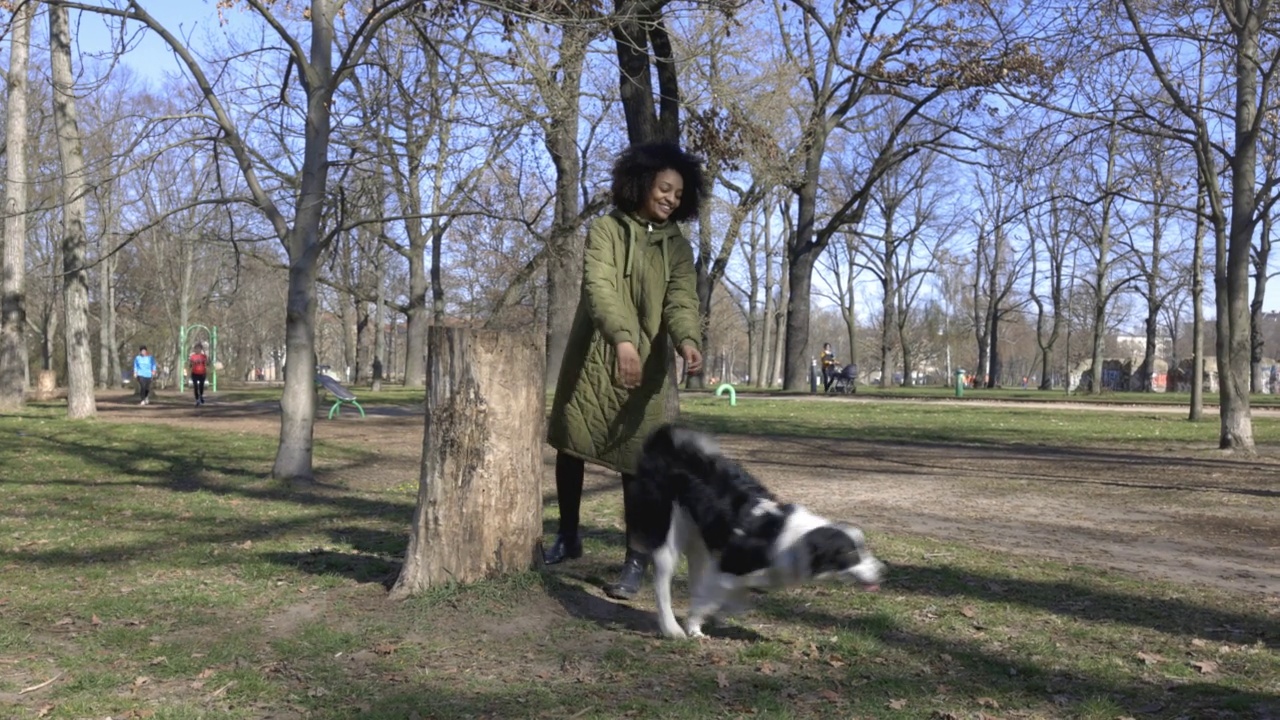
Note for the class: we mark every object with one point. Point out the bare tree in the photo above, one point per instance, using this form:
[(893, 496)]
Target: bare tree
[(854, 56), (321, 67), (1155, 281), (899, 247), (13, 311), (1051, 232), (1236, 29), (75, 242), (1101, 244)]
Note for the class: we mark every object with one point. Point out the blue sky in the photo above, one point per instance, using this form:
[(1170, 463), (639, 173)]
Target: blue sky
[(151, 57)]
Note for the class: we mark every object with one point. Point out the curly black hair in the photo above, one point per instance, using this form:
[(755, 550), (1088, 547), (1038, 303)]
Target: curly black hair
[(637, 167)]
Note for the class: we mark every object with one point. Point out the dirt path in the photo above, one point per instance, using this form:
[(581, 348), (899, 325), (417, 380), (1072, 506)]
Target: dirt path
[(1191, 516)]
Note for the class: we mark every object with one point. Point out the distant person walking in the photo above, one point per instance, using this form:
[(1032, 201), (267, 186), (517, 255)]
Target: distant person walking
[(144, 369), (198, 365)]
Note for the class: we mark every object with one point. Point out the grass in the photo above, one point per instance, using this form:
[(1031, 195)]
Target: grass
[(154, 571), (1019, 395), (959, 423)]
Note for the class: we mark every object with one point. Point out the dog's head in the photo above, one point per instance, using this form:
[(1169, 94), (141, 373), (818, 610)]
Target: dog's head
[(839, 552)]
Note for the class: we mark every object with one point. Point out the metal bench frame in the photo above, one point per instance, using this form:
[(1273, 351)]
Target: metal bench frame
[(341, 395)]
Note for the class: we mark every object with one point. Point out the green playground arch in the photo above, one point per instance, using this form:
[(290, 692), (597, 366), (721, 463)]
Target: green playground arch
[(187, 337)]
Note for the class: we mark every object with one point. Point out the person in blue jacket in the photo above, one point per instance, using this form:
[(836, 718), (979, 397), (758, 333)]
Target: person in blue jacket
[(144, 368)]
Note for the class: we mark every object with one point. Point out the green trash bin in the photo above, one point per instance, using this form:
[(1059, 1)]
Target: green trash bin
[(959, 383)]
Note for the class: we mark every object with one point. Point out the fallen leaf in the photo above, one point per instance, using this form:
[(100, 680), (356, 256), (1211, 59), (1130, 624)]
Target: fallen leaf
[(141, 680), (385, 648), (968, 611), (830, 695), (1206, 667), (987, 702), (897, 704), (64, 621), (722, 680), (944, 658), (44, 711), (766, 668), (206, 673), (1197, 642), (159, 661), (1150, 658), (94, 621)]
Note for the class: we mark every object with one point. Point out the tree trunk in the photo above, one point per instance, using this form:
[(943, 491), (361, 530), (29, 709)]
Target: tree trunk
[(379, 319), (104, 321), (416, 319), (1196, 411), (802, 253), (113, 341), (13, 294), (1236, 430), (888, 321), (479, 510), (298, 403), (1257, 344), (303, 243), (75, 284), (565, 245), (1149, 353)]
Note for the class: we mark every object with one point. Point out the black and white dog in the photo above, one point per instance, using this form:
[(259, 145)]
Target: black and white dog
[(689, 499)]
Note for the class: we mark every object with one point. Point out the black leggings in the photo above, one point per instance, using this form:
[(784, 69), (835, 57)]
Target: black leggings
[(144, 387), (197, 385), (570, 472)]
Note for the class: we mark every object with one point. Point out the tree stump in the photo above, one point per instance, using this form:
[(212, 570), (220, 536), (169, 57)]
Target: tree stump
[(479, 511)]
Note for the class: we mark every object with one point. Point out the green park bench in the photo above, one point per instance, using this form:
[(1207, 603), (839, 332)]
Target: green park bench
[(340, 394)]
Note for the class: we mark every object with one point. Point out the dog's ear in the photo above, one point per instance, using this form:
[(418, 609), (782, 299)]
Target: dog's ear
[(830, 549)]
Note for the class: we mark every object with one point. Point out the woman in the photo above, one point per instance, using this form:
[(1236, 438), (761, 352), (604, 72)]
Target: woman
[(638, 303), (198, 366)]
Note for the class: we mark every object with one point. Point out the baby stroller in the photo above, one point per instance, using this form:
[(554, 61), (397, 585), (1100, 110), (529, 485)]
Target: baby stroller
[(845, 382)]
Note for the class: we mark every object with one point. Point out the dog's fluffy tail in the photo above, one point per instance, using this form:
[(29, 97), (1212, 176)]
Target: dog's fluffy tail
[(668, 457)]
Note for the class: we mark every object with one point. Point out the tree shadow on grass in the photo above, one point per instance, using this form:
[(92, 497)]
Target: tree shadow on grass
[(929, 676), (176, 467), (1170, 615), (1053, 464), (989, 671)]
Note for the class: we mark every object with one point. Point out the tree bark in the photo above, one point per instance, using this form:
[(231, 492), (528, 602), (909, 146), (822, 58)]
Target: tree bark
[(479, 510), (564, 265), (1236, 430), (1197, 402), (75, 243), (13, 311), (303, 243)]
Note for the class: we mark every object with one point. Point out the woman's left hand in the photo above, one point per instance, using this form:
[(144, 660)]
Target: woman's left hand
[(692, 359)]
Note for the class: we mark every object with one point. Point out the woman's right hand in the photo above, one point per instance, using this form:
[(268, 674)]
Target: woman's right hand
[(628, 370)]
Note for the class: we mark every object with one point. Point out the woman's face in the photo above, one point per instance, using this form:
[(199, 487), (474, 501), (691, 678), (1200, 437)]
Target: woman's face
[(664, 196)]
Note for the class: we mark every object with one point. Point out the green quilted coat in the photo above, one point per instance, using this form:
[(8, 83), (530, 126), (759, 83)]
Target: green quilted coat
[(638, 284)]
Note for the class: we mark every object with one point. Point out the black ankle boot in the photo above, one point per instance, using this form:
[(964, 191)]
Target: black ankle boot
[(628, 585), (566, 547)]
